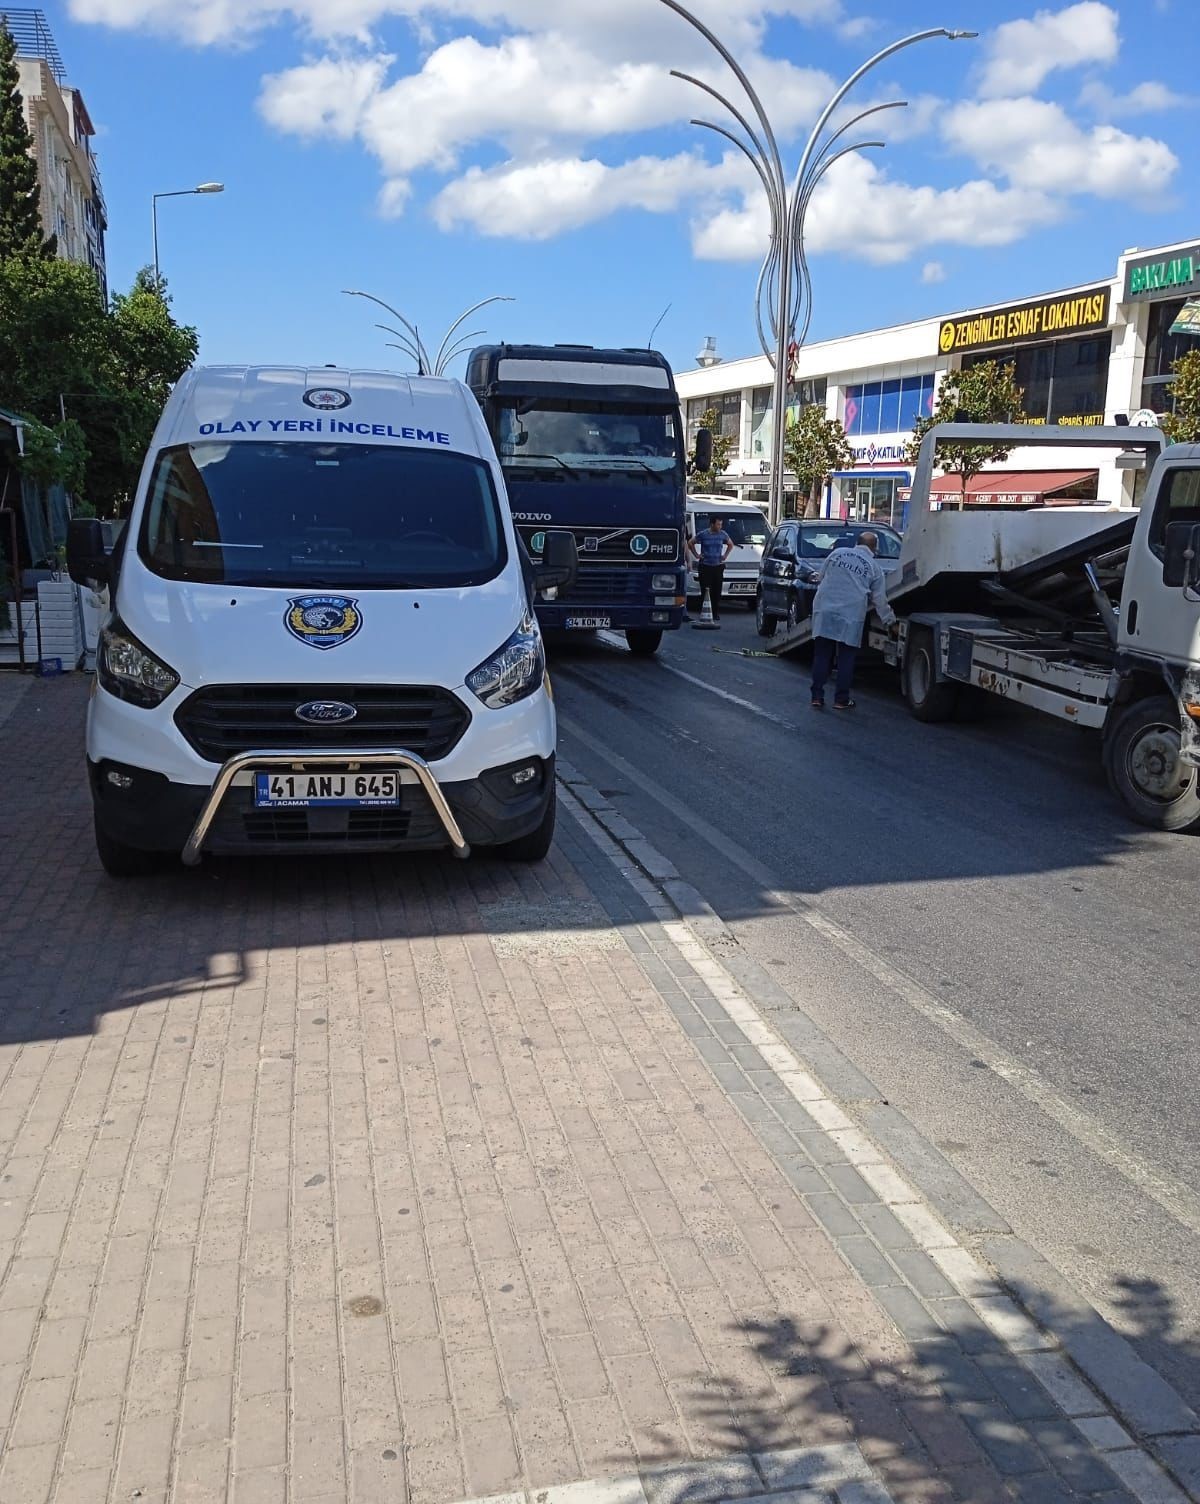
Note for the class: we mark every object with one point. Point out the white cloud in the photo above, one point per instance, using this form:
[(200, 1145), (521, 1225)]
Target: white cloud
[(1036, 145), (1020, 54), (325, 98), (1149, 98), (933, 272)]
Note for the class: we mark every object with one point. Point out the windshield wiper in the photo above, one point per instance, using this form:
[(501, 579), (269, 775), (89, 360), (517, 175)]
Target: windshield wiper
[(513, 458)]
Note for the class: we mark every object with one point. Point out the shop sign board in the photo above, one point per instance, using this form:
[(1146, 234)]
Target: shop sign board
[(1156, 277), (1187, 320), (1046, 318), (887, 449)]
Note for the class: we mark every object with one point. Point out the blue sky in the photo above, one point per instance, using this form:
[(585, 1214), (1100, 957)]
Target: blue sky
[(438, 151)]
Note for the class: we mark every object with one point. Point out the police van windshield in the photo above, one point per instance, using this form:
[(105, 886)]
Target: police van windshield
[(296, 514), (540, 433)]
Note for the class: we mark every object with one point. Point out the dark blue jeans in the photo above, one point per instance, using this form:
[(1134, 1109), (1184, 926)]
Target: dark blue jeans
[(823, 651)]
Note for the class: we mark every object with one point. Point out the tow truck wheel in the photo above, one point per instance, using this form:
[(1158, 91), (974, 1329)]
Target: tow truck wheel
[(120, 860), (928, 699), (534, 847), (1145, 770), (765, 624), (643, 643)]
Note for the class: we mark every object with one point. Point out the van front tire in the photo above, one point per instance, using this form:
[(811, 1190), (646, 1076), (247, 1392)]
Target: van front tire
[(534, 847), (120, 860)]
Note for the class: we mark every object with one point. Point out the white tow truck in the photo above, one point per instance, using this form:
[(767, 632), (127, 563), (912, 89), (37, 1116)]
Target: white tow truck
[(1086, 613)]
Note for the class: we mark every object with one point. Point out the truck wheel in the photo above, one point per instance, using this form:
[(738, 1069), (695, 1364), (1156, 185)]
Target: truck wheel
[(119, 860), (534, 847), (643, 643), (1144, 767), (928, 699), (766, 624)]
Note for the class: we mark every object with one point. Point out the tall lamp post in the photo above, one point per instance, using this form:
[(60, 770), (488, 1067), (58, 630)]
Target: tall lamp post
[(784, 286), (178, 193)]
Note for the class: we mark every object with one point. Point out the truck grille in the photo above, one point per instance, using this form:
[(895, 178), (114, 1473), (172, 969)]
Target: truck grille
[(225, 719), (616, 587)]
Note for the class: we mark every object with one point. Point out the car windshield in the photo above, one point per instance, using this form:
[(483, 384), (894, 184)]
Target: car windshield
[(819, 542), (745, 528), (543, 434), (306, 515)]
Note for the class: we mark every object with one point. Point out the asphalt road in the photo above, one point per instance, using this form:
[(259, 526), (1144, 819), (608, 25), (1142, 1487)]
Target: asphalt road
[(1019, 972)]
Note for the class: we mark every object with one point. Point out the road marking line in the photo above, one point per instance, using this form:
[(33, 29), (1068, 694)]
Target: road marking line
[(723, 694), (1178, 1200)]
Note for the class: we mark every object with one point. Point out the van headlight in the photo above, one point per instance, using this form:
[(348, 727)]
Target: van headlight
[(514, 671), (130, 671)]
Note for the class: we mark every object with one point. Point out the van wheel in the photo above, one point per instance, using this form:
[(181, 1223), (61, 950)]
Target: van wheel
[(534, 847), (120, 860), (766, 624), (1145, 770), (643, 643), (927, 699)]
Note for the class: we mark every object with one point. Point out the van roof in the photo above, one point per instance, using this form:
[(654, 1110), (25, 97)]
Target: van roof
[(272, 402)]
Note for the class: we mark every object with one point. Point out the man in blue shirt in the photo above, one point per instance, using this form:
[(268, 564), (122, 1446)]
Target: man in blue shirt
[(712, 547)]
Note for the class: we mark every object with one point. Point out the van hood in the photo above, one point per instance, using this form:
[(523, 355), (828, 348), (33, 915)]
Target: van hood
[(223, 634)]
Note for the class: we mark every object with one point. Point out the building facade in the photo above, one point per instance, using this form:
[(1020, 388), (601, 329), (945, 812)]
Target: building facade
[(1087, 355), (72, 200)]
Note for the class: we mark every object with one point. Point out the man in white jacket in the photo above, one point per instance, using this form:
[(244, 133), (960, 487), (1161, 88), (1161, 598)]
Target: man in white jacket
[(849, 582)]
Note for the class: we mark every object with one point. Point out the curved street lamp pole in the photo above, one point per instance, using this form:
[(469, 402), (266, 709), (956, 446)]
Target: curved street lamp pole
[(784, 281), (411, 342)]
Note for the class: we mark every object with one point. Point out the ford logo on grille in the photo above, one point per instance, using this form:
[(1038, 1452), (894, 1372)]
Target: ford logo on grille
[(326, 712)]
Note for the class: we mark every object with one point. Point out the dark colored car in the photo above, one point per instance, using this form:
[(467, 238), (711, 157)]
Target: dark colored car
[(794, 553)]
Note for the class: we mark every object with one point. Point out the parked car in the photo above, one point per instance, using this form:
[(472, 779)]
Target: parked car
[(794, 554), (749, 530)]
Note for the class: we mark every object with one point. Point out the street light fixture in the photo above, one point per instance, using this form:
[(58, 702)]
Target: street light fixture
[(178, 193), (412, 344), (784, 282)]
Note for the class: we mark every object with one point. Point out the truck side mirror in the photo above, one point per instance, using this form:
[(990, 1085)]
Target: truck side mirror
[(87, 563), (559, 565), (1181, 563), (704, 450)]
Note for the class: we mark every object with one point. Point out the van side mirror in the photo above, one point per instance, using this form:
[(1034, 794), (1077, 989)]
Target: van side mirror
[(559, 564), (1181, 563), (87, 563), (704, 450)]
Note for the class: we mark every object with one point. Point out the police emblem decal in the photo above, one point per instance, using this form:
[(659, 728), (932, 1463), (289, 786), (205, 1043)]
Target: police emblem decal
[(326, 399), (323, 621)]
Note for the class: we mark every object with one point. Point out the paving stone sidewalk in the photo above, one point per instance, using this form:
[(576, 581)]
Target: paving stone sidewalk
[(428, 1181)]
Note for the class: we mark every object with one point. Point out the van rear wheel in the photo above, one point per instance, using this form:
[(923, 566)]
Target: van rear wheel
[(1145, 770), (643, 643)]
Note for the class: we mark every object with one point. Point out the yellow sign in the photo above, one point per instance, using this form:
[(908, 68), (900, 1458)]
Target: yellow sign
[(1077, 313)]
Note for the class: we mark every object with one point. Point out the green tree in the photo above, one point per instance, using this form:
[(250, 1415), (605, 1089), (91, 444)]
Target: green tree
[(20, 216), (986, 393), (723, 446), (1182, 424), (813, 448)]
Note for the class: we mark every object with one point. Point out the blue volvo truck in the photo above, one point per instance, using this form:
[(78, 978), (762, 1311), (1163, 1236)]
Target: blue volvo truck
[(591, 442)]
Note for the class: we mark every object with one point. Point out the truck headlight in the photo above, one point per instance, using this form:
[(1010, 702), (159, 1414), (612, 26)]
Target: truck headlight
[(514, 671), (130, 671), (664, 582)]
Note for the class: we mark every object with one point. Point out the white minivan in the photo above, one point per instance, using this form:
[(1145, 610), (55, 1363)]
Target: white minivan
[(749, 530), (321, 634)]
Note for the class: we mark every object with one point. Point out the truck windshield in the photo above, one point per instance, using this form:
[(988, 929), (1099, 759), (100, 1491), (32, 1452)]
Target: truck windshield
[(301, 514), (543, 434)]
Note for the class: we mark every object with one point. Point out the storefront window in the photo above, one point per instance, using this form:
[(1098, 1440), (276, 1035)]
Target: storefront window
[(728, 408), (887, 406), (1063, 382), (1162, 349), (760, 423)]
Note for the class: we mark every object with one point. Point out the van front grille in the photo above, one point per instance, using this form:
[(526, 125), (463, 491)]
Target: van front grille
[(225, 719)]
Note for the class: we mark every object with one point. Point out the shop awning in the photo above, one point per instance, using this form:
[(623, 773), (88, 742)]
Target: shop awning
[(1012, 487)]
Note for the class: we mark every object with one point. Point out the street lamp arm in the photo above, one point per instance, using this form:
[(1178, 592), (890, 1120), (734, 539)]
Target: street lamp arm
[(801, 253), (776, 186), (459, 347), (424, 360), (740, 74), (458, 322), (708, 125), (892, 104)]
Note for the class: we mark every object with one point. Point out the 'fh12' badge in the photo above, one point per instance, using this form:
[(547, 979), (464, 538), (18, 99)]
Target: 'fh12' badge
[(323, 621)]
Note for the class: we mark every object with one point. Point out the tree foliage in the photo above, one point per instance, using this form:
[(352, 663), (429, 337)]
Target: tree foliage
[(986, 393), (20, 214), (108, 368), (723, 446), (813, 448), (1182, 425)]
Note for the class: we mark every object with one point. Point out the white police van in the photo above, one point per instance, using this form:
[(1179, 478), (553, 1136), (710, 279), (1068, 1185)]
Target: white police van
[(322, 636)]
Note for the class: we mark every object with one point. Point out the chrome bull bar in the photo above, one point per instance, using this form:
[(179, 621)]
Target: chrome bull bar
[(351, 758)]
